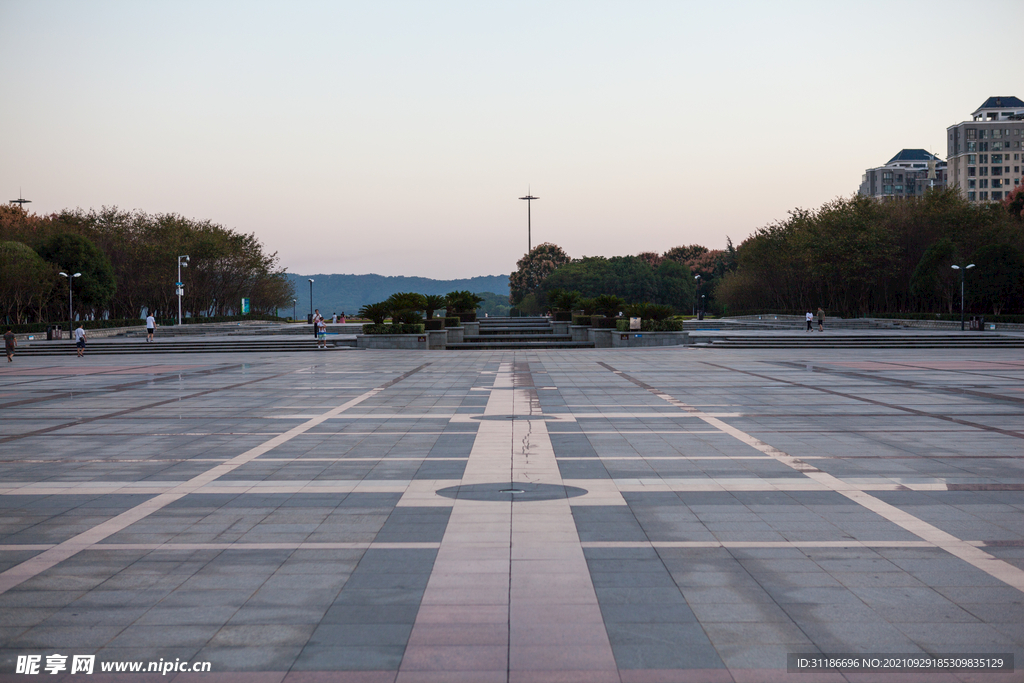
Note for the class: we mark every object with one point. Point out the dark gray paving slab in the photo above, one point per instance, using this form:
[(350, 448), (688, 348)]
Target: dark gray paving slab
[(714, 555)]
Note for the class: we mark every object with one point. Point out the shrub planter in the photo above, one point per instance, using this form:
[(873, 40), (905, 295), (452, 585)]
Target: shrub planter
[(455, 334), (391, 341), (560, 328), (583, 320), (467, 317), (579, 332), (452, 321), (433, 324), (563, 316), (638, 339), (437, 339), (471, 327)]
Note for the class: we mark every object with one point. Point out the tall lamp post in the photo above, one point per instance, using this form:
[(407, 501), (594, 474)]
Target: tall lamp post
[(529, 202), (71, 308), (294, 302), (311, 297), (182, 262), (696, 301), (963, 270)]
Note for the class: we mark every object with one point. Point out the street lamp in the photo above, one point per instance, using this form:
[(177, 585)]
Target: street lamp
[(529, 202), (962, 270), (71, 310), (294, 301), (696, 300), (311, 297), (182, 262)]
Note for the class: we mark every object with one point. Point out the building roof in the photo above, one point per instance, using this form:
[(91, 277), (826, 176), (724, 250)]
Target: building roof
[(913, 155), (1001, 103)]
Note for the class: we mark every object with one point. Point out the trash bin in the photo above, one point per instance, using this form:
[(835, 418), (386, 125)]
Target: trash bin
[(309, 318), (980, 324)]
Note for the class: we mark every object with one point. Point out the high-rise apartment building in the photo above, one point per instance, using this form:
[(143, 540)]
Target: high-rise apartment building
[(908, 174), (984, 154)]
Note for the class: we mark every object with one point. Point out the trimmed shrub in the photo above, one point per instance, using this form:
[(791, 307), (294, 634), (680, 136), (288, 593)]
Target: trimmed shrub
[(467, 317), (648, 325), (582, 320), (452, 321), (563, 316), (606, 323), (433, 324), (401, 328)]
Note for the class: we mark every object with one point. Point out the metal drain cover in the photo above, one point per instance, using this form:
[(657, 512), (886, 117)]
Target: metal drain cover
[(516, 491)]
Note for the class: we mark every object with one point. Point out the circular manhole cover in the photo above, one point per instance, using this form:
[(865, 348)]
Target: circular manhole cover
[(516, 491)]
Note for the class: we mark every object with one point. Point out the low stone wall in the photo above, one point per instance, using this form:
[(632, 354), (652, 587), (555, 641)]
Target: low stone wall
[(578, 332), (471, 328), (561, 327), (639, 339), (392, 341), (602, 337), (437, 339), (455, 334)]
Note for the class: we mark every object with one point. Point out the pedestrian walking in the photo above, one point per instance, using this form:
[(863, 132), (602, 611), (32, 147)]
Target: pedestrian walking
[(321, 334), (80, 340), (334, 319), (810, 321), (10, 343), (316, 320), (821, 320), (343, 317), (150, 327)]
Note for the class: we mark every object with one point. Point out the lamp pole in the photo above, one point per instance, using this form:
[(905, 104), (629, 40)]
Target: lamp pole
[(294, 301), (71, 308), (311, 297), (963, 270), (529, 202), (182, 261), (696, 300)]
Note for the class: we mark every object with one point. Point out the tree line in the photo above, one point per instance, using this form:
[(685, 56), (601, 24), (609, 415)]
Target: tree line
[(859, 256), (679, 278), (852, 256), (128, 265)]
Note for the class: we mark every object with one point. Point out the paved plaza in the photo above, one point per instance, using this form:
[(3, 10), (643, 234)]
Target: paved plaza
[(631, 516)]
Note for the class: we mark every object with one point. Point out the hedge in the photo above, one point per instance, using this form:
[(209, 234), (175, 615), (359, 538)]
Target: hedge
[(565, 316), (434, 324), (584, 320), (452, 321), (648, 325), (467, 317), (401, 328)]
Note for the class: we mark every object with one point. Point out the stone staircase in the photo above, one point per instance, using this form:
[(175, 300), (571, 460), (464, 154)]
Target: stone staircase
[(517, 333), (235, 344), (852, 340)]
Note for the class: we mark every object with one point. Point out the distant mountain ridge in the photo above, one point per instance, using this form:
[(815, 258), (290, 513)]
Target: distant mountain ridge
[(342, 292)]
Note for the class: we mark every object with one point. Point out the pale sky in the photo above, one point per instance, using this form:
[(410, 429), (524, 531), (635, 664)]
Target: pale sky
[(395, 137)]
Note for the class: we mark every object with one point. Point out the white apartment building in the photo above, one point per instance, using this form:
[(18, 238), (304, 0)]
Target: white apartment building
[(984, 155)]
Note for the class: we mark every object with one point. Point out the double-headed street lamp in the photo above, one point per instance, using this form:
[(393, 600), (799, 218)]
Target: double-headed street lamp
[(71, 308), (182, 262), (962, 270)]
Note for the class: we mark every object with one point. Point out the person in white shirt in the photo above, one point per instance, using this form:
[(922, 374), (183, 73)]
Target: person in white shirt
[(80, 340), (810, 321), (150, 327)]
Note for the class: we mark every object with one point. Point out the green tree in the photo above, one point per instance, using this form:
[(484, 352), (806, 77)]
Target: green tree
[(533, 269), (431, 303), (27, 282), (934, 282), (997, 277), (76, 254)]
